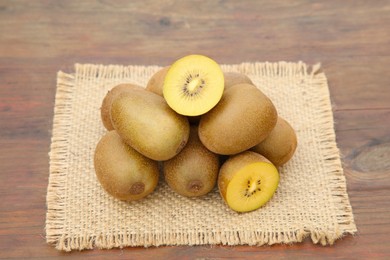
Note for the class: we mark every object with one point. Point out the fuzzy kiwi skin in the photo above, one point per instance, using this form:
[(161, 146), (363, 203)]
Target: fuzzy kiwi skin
[(145, 122), (107, 101), (122, 171), (233, 165), (243, 118), (235, 78), (194, 171), (280, 144), (156, 82)]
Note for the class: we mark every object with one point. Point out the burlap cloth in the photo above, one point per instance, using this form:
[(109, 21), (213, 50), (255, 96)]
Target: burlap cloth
[(311, 199)]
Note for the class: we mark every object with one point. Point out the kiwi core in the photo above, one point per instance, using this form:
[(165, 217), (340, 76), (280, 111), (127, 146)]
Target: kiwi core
[(193, 85), (253, 187)]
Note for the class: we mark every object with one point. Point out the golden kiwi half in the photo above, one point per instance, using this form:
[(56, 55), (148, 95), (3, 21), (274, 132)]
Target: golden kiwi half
[(247, 181), (193, 85)]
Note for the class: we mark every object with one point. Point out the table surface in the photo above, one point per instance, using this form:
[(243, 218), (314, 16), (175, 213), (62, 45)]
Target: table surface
[(351, 39)]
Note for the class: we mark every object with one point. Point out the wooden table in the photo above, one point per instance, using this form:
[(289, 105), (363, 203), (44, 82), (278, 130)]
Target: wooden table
[(350, 38)]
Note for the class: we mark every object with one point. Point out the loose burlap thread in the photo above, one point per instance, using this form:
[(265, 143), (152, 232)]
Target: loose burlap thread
[(311, 199)]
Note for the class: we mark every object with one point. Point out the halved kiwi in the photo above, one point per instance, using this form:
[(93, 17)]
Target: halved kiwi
[(193, 85), (247, 181)]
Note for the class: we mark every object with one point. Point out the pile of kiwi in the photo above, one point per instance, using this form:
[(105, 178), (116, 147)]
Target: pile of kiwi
[(203, 126)]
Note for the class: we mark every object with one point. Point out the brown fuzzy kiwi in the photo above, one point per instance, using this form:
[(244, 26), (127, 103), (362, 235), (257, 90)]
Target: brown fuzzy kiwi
[(280, 144), (247, 181), (156, 82), (122, 171), (107, 101), (243, 118), (235, 78), (145, 122), (193, 172)]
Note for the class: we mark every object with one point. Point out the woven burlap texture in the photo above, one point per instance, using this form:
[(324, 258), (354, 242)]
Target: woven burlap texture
[(311, 199)]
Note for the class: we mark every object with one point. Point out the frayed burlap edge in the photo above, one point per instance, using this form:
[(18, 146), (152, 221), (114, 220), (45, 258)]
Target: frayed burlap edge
[(56, 192)]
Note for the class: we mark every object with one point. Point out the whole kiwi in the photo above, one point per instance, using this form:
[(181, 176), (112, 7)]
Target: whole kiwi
[(145, 122), (156, 82), (107, 101), (194, 171), (234, 78), (280, 144), (122, 171), (243, 118)]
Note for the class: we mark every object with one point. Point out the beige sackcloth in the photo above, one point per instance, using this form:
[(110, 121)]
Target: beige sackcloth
[(311, 200)]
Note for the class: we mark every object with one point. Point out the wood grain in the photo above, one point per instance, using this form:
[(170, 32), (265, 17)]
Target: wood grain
[(350, 38)]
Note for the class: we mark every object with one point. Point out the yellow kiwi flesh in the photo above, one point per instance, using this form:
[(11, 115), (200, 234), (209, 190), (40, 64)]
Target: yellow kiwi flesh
[(247, 181), (156, 82), (122, 171), (193, 85), (280, 144), (193, 172), (235, 78), (243, 118), (107, 101), (145, 122)]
